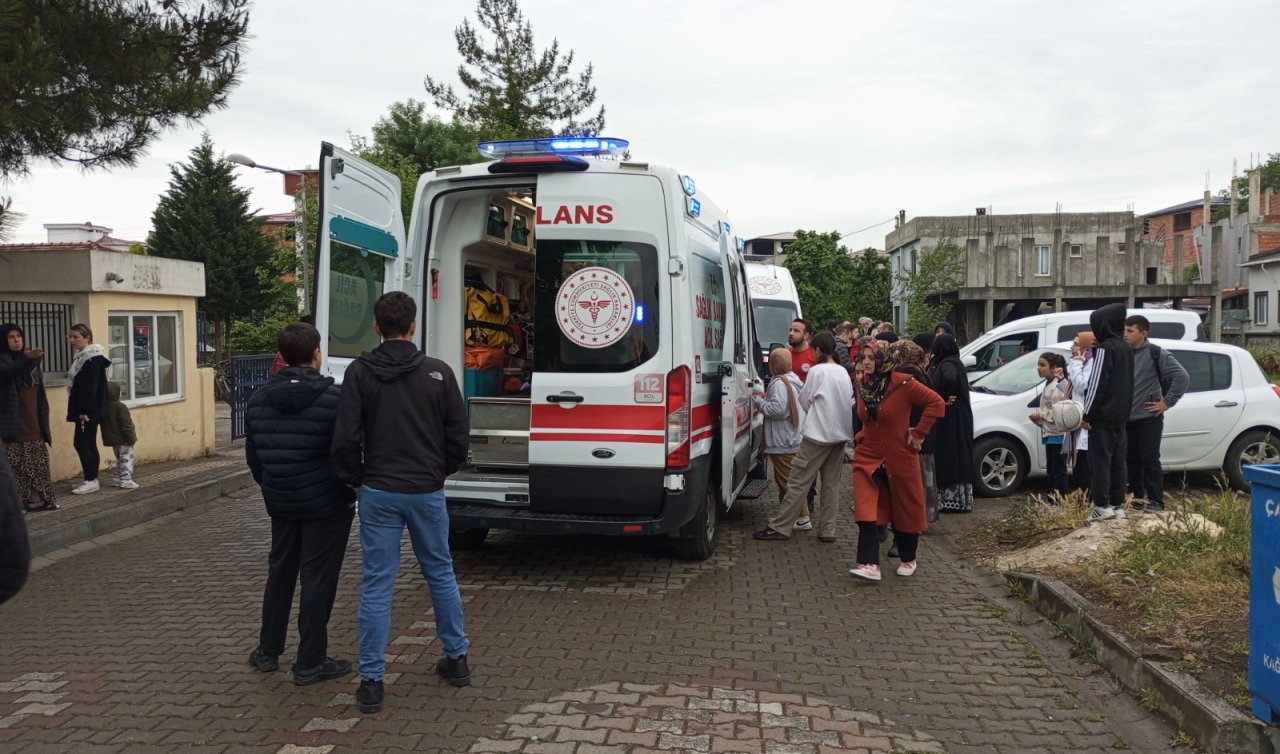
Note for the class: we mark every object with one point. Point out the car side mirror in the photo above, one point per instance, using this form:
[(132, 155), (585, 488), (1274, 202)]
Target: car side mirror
[(969, 361)]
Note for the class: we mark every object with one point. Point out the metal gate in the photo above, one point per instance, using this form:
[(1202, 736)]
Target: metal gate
[(248, 373)]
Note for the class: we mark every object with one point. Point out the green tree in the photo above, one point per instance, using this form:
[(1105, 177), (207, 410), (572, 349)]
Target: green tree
[(1270, 179), (205, 217), (509, 87), (823, 274), (9, 219), (94, 81), (937, 270), (871, 284)]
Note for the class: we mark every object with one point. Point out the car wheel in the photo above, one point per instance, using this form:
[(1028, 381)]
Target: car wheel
[(1251, 447), (697, 539), (467, 539), (999, 467)]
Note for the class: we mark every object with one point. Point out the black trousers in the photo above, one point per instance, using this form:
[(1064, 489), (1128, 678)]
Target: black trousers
[(1081, 473), (1107, 461), (86, 445), (1056, 466), (313, 550), (1146, 475), (869, 544)]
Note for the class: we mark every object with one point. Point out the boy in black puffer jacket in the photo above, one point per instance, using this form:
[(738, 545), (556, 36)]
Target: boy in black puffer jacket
[(1106, 411), (288, 431)]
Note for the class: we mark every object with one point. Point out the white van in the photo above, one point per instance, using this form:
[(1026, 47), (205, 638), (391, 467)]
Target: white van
[(775, 304), (1000, 345), (620, 401)]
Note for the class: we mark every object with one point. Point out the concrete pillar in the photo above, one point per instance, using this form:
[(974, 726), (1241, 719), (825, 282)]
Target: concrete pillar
[(1057, 303), (1215, 316), (988, 314), (1177, 258)]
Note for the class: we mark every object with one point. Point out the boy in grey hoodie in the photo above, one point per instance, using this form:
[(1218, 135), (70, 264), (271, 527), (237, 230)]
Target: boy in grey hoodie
[(1158, 384)]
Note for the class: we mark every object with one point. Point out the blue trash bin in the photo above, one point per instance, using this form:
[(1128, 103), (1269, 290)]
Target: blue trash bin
[(1264, 592)]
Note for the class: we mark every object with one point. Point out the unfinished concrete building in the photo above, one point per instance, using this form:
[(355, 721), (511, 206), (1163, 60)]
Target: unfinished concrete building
[(1017, 265)]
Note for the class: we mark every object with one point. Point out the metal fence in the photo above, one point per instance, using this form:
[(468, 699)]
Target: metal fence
[(248, 373), (45, 326), (202, 339)]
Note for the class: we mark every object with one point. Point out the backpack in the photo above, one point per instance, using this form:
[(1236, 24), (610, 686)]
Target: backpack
[(488, 314), (1155, 360)]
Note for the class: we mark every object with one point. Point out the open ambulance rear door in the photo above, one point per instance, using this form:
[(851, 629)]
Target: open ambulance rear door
[(361, 239)]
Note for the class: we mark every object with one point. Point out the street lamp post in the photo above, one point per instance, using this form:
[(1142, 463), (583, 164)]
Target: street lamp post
[(300, 226)]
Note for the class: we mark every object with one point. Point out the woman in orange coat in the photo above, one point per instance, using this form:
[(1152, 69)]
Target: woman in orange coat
[(885, 397)]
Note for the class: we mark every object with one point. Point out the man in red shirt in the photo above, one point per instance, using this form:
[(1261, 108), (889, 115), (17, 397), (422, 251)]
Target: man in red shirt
[(801, 354)]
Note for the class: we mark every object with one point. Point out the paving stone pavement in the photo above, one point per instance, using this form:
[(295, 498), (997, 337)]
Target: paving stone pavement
[(580, 645)]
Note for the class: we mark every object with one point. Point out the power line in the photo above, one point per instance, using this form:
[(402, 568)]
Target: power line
[(869, 227)]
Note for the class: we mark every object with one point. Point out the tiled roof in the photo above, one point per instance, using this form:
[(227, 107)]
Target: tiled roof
[(63, 246)]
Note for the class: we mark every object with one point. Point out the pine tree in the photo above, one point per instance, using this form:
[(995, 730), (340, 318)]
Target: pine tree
[(510, 88), (94, 81), (205, 217)]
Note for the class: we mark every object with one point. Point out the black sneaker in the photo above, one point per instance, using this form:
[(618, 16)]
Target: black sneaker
[(325, 671), (770, 534), (263, 661), (1153, 507), (454, 671), (369, 695)]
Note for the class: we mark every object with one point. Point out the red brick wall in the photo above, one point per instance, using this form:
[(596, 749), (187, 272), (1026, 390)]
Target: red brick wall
[(1162, 227)]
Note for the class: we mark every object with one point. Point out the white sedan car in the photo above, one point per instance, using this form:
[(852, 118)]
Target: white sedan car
[(1229, 417)]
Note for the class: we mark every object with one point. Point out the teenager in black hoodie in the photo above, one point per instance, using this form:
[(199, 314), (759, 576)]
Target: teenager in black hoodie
[(1106, 411)]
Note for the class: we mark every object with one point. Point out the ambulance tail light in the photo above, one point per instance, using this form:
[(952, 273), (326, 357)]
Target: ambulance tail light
[(678, 417)]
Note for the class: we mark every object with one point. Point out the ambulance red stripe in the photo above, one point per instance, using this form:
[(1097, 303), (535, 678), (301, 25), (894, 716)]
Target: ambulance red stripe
[(593, 437), (585, 416)]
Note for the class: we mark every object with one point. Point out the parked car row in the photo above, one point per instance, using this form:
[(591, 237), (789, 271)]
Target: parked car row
[(1228, 418)]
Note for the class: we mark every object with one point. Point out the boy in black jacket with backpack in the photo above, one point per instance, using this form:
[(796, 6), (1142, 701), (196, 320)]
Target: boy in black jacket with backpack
[(288, 432)]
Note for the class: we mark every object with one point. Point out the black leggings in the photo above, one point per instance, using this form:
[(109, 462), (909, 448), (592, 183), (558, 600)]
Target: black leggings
[(869, 544), (86, 445)]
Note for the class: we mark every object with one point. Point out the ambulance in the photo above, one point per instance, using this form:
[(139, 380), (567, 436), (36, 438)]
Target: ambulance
[(775, 304), (609, 386)]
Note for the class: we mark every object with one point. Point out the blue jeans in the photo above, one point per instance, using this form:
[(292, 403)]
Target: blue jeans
[(383, 518)]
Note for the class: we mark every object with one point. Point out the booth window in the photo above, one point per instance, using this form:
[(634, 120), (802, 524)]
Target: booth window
[(145, 348)]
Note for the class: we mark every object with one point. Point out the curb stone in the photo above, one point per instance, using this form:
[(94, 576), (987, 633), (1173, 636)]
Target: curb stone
[(115, 519), (1216, 726)]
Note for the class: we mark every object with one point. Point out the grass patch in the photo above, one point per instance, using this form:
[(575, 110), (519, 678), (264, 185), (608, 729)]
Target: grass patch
[(1183, 595), (1187, 589)]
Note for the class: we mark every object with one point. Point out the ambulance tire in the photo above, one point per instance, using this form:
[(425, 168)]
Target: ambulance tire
[(697, 539), (467, 539)]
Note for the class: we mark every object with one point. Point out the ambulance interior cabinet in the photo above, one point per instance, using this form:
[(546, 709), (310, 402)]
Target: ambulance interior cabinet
[(500, 432)]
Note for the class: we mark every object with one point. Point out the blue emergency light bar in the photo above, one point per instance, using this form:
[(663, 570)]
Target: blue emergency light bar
[(569, 145)]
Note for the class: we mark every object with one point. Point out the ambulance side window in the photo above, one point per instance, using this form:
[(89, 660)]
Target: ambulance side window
[(739, 328), (356, 279), (596, 306)]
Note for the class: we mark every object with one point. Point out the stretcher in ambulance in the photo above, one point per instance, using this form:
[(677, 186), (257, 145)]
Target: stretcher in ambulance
[(595, 310)]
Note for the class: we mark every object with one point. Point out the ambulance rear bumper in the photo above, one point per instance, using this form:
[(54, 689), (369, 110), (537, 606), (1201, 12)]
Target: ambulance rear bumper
[(673, 509)]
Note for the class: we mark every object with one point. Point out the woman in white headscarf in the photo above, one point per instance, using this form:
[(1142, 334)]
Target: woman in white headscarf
[(87, 402)]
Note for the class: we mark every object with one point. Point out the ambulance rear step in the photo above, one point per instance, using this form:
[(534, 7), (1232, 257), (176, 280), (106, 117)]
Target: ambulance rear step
[(753, 489)]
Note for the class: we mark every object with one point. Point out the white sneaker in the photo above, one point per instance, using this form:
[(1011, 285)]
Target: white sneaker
[(127, 484), (1100, 514), (1118, 513), (906, 569), (866, 571), (86, 487), (803, 524)]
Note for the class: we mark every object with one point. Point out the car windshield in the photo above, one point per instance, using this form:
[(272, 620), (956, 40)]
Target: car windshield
[(1016, 376)]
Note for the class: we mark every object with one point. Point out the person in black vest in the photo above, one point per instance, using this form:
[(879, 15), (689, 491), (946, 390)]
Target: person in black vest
[(288, 432)]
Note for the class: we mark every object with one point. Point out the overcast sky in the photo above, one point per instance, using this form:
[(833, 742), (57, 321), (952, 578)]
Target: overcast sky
[(815, 115)]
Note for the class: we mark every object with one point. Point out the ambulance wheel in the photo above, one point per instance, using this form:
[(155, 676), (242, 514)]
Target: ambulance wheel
[(467, 539), (697, 539)]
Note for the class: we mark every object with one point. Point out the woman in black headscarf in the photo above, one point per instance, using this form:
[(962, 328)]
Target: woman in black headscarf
[(953, 434), (24, 419)]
